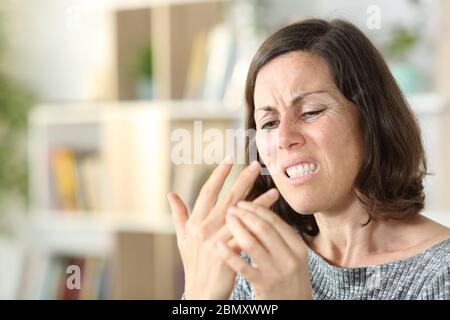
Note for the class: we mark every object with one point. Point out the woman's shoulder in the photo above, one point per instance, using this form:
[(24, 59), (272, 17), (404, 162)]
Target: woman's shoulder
[(436, 260), (439, 242), (429, 239), (440, 249)]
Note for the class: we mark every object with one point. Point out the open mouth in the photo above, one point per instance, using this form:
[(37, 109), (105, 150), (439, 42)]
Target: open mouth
[(302, 170)]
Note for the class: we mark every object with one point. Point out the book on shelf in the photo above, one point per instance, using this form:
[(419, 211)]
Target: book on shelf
[(220, 62), (211, 64), (196, 68), (50, 280), (78, 180), (64, 177)]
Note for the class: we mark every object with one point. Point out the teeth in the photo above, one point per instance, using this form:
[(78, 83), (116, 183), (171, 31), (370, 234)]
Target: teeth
[(301, 170)]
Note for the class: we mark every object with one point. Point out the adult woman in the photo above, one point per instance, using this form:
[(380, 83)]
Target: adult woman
[(345, 158)]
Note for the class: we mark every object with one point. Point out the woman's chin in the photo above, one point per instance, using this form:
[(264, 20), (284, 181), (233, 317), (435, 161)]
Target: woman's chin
[(303, 208), (302, 201)]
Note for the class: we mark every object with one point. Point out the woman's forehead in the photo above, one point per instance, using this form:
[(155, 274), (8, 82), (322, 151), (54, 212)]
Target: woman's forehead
[(291, 75)]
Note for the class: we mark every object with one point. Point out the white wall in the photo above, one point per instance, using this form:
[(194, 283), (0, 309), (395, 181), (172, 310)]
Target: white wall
[(64, 49)]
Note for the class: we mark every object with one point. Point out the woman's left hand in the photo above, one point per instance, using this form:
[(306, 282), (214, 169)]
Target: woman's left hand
[(279, 268)]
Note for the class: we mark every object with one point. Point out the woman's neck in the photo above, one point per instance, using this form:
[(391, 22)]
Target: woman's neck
[(346, 239)]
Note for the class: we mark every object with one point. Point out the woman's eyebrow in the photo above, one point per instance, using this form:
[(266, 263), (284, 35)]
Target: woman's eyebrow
[(296, 99)]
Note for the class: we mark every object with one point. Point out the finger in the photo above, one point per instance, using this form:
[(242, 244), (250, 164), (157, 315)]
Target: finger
[(248, 242), (238, 190), (224, 235), (266, 234), (289, 235), (210, 190), (236, 263), (179, 214), (268, 198)]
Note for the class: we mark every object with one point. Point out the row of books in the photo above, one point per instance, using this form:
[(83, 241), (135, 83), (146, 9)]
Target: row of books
[(66, 277), (214, 68), (127, 177), (78, 180), (138, 266), (76, 278)]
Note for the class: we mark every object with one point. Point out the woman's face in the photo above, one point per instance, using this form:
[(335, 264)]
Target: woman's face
[(307, 133)]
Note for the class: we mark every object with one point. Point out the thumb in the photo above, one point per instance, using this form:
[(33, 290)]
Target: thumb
[(179, 213)]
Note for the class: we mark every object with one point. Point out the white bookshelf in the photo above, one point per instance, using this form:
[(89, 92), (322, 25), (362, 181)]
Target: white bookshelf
[(59, 124), (87, 233), (134, 139)]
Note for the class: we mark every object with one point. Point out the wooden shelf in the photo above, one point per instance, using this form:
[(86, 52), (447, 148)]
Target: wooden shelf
[(81, 233), (82, 113), (109, 221)]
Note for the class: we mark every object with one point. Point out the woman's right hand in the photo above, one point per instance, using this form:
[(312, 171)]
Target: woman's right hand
[(206, 275)]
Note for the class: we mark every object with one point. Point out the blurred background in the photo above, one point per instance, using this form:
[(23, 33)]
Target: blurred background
[(91, 92)]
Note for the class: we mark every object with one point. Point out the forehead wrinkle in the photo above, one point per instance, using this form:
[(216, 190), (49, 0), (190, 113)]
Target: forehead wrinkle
[(294, 100)]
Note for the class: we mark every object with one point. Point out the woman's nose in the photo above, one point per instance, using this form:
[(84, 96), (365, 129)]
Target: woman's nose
[(289, 135)]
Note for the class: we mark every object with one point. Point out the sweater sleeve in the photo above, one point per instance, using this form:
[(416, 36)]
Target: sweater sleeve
[(439, 286), (242, 288)]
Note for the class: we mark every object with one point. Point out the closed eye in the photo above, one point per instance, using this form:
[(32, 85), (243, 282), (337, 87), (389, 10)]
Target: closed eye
[(270, 125), (312, 114)]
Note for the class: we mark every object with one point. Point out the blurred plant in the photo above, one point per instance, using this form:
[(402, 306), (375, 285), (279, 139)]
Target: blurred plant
[(142, 66), (400, 49), (15, 102), (402, 41), (142, 71)]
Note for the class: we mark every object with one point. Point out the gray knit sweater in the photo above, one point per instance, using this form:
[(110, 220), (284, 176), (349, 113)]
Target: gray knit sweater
[(424, 276)]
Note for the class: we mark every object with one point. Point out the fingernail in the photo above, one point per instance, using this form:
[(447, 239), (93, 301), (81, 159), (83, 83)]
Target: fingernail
[(228, 159), (255, 165), (273, 193)]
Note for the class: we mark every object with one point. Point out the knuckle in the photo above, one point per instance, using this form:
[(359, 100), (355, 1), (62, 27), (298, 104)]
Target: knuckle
[(249, 244), (201, 232), (229, 196), (206, 189)]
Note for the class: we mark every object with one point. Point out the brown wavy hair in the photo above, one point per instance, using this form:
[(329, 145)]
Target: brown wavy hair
[(389, 182)]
